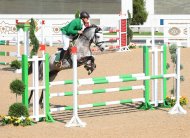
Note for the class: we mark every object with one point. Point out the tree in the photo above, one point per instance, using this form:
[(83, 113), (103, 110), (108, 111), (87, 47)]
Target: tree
[(139, 12), (129, 31), (33, 39), (77, 14)]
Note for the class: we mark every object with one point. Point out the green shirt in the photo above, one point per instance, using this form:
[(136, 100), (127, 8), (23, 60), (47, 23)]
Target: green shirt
[(72, 28)]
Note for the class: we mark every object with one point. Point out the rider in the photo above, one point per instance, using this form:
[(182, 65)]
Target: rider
[(72, 29)]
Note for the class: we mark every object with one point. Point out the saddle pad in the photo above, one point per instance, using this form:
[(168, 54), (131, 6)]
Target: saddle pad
[(57, 57)]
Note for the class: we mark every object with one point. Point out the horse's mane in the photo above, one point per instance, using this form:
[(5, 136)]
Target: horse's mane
[(92, 26)]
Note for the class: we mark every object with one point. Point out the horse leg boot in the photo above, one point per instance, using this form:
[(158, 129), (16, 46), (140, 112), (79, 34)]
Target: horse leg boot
[(61, 57), (90, 65)]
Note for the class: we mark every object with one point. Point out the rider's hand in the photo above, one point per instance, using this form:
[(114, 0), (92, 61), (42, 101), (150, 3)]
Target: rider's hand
[(80, 32)]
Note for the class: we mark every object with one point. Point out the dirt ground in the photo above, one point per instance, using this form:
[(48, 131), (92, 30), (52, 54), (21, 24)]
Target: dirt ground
[(119, 121)]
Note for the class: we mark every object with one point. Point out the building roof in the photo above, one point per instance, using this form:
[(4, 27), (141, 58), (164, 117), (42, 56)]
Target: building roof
[(172, 7), (59, 6)]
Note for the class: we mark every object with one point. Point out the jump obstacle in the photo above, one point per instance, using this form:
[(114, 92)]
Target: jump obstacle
[(121, 38), (25, 27), (75, 121), (11, 54)]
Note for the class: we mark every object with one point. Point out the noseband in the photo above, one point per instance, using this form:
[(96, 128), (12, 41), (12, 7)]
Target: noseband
[(99, 44)]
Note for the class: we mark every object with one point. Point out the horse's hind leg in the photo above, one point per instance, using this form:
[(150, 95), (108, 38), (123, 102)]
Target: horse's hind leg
[(41, 98), (31, 94)]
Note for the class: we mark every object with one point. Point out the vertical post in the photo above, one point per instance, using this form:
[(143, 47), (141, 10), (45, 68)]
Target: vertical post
[(164, 71), (25, 43), (18, 43), (123, 33), (25, 79), (188, 33), (75, 120), (49, 118), (36, 89), (177, 109), (155, 72), (154, 69), (42, 33), (146, 71)]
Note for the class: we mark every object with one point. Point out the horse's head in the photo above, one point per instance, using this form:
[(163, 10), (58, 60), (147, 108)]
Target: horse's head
[(94, 34), (91, 34)]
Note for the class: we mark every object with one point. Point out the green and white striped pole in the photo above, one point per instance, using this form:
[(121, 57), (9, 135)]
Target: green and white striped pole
[(98, 104), (97, 91), (98, 80)]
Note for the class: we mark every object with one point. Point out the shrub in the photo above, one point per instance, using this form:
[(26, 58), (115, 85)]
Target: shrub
[(17, 86), (16, 64), (18, 110)]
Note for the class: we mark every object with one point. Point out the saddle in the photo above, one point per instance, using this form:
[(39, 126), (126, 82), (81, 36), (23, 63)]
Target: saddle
[(66, 62)]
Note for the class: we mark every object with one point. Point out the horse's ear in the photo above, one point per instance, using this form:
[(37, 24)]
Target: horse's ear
[(93, 25), (98, 29)]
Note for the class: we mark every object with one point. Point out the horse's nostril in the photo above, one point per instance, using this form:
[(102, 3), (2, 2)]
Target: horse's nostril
[(102, 49)]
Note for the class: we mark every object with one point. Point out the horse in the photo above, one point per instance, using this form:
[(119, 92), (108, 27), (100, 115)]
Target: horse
[(92, 34)]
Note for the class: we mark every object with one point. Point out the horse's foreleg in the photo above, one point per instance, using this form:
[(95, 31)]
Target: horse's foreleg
[(90, 65)]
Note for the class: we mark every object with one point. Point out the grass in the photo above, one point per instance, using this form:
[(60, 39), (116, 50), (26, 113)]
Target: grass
[(148, 33), (139, 34)]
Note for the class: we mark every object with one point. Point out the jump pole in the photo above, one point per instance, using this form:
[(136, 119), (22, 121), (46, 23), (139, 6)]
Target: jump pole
[(49, 118), (75, 120), (146, 62), (25, 80), (177, 109)]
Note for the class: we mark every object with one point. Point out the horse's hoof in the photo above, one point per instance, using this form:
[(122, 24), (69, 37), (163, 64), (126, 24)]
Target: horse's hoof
[(89, 72)]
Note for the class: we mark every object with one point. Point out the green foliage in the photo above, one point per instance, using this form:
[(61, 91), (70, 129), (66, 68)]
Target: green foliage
[(167, 66), (174, 58), (129, 31), (172, 49), (171, 101), (148, 33), (16, 121), (139, 12), (77, 14), (16, 64), (33, 39), (18, 110), (181, 66), (182, 78), (17, 86), (132, 46)]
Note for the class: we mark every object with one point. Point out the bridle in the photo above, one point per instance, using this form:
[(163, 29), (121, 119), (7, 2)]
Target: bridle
[(98, 44)]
